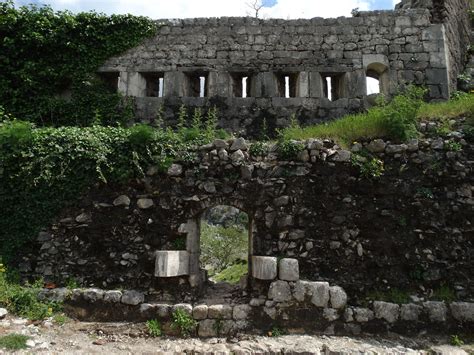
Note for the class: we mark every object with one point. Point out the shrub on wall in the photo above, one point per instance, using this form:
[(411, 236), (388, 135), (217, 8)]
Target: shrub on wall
[(47, 61)]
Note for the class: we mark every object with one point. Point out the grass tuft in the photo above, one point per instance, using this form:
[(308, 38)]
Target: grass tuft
[(13, 342)]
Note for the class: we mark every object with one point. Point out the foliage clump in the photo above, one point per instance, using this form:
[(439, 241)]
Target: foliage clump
[(154, 328), (23, 300), (183, 322), (42, 169), (48, 60), (13, 342)]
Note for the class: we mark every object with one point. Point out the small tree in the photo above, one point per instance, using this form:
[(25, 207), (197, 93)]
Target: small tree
[(255, 6)]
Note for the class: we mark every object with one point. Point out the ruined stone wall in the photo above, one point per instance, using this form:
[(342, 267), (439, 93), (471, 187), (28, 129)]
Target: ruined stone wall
[(454, 15), (397, 47), (409, 229)]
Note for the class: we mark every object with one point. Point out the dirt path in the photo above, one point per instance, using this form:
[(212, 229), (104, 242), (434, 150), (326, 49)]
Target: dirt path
[(129, 338)]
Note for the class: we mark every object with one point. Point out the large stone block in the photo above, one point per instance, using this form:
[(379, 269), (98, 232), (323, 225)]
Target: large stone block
[(437, 311), (463, 311), (338, 297), (171, 263), (289, 270), (279, 291), (264, 267), (319, 292), (387, 311)]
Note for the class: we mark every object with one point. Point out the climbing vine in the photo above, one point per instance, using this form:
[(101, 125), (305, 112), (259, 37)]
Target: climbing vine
[(48, 60)]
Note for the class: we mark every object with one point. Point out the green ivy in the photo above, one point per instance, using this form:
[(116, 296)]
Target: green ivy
[(45, 54), (44, 169)]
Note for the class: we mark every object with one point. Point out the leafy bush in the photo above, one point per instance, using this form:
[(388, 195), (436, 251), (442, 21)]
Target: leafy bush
[(258, 149), (401, 113), (184, 322), (13, 341), (276, 332), (46, 54), (141, 135), (369, 167), (23, 300), (456, 340), (289, 149), (154, 328)]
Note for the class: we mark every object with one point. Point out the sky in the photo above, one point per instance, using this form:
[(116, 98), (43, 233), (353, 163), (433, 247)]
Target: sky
[(159, 9)]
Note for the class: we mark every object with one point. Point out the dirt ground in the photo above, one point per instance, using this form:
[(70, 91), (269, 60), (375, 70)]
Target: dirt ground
[(75, 337)]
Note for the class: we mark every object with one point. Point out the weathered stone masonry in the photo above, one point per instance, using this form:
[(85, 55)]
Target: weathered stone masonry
[(298, 56), (412, 227)]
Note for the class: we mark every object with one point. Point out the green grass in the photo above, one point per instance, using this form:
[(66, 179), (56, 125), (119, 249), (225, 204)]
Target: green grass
[(232, 274), (345, 130), (462, 107), (379, 121), (13, 342)]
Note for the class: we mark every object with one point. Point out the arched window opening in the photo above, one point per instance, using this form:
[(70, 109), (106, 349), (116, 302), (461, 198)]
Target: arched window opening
[(224, 238), (377, 79)]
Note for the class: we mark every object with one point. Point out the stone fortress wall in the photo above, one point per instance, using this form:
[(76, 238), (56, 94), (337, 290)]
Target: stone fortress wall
[(321, 64)]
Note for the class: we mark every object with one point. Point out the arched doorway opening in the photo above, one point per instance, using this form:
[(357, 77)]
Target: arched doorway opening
[(225, 239)]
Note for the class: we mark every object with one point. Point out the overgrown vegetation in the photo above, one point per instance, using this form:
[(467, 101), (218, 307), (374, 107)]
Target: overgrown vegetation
[(48, 60), (23, 300), (183, 322), (42, 169), (13, 342), (395, 120)]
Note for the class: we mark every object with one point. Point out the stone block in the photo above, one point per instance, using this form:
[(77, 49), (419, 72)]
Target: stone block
[(171, 263), (338, 297), (220, 311), (330, 314), (113, 296), (288, 270), (163, 310), (183, 306), (93, 295), (463, 311), (387, 311), (3, 313), (200, 312), (241, 311), (363, 315), (279, 291), (437, 311), (264, 267), (145, 203), (132, 297), (319, 292), (410, 312), (207, 328), (122, 200)]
